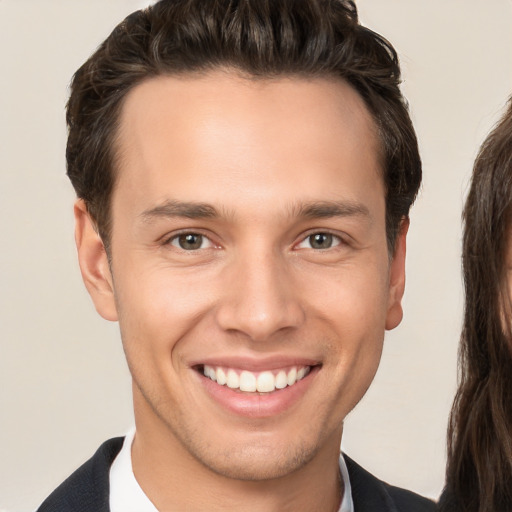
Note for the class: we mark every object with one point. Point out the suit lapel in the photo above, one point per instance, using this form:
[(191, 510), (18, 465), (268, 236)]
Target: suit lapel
[(87, 489), (368, 493)]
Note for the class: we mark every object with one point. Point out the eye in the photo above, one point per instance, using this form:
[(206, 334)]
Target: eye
[(319, 241), (191, 241)]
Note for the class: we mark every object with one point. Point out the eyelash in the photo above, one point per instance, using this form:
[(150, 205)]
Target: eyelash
[(336, 240), (184, 234)]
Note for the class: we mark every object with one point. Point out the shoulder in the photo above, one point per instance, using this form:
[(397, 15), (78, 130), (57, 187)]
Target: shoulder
[(371, 494), (407, 500), (87, 489)]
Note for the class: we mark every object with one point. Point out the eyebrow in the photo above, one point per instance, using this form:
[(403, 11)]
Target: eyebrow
[(308, 210), (328, 209), (188, 210)]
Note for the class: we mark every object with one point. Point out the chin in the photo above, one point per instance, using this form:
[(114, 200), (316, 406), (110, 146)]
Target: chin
[(256, 463)]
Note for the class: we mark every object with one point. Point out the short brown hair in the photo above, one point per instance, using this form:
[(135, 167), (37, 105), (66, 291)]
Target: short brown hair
[(261, 38)]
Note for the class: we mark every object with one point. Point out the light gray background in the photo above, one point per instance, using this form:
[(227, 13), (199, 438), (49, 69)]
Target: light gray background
[(64, 386)]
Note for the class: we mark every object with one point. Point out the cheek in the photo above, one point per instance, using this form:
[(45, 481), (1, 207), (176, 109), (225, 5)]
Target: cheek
[(352, 304), (351, 298), (158, 307)]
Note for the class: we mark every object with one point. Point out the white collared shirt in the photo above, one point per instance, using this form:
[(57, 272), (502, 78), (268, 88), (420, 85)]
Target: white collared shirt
[(126, 494)]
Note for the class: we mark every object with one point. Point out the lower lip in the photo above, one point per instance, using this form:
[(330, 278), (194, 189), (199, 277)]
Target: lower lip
[(255, 405)]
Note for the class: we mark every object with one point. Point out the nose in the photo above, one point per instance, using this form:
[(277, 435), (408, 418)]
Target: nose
[(260, 298)]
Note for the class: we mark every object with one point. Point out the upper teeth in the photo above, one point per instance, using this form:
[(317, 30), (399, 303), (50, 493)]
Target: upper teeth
[(263, 382)]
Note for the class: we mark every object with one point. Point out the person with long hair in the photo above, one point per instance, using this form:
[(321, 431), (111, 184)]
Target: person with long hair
[(479, 469)]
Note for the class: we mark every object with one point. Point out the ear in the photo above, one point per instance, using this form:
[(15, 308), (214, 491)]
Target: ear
[(94, 264), (397, 278)]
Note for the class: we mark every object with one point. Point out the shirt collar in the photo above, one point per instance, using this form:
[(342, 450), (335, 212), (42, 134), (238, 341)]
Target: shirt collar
[(126, 495)]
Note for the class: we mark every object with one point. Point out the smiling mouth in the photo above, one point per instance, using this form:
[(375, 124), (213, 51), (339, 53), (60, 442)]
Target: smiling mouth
[(246, 381)]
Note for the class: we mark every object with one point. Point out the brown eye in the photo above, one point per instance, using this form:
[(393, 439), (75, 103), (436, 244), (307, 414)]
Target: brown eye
[(189, 241)]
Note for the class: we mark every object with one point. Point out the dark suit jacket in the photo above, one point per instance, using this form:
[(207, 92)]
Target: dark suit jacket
[(87, 489)]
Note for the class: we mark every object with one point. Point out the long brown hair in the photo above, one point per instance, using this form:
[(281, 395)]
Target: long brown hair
[(479, 471)]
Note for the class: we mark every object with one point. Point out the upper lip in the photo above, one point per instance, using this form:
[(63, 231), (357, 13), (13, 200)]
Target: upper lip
[(256, 364)]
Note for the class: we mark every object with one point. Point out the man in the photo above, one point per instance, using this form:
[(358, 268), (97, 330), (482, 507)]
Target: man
[(244, 172)]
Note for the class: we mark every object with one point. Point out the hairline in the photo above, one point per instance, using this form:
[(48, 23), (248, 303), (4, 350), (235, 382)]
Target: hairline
[(237, 72)]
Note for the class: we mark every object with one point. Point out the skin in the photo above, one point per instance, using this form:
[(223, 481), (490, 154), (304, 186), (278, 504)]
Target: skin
[(259, 153)]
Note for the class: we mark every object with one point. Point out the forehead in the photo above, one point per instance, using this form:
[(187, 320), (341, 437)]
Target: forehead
[(198, 135)]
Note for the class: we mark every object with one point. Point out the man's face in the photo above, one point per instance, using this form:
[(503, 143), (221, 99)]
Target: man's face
[(248, 244)]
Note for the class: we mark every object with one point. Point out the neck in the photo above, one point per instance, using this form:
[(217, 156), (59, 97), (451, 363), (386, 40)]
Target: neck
[(175, 480)]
